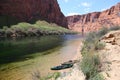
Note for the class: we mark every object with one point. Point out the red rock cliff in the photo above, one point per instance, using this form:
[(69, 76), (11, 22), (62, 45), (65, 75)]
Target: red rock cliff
[(94, 21), (29, 10)]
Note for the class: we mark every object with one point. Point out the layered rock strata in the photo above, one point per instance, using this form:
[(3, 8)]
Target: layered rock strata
[(96, 20)]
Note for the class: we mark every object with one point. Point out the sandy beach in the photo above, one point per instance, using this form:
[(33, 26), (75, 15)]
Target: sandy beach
[(74, 73)]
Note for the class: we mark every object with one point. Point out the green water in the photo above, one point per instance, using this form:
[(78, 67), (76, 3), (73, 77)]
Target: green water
[(16, 49), (21, 59)]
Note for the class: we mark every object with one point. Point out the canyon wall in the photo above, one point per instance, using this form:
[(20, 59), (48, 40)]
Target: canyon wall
[(96, 20), (30, 11)]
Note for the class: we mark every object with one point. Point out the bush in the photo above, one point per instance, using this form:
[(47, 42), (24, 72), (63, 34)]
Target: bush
[(102, 32), (98, 77), (105, 30), (88, 47), (39, 28), (8, 32), (91, 61), (114, 28), (53, 76), (89, 65), (99, 45), (5, 27), (91, 37)]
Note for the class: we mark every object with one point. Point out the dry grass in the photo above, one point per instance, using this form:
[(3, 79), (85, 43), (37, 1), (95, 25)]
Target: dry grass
[(91, 60)]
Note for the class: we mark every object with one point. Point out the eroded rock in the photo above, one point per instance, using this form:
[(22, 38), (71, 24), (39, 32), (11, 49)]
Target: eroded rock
[(96, 20), (32, 10)]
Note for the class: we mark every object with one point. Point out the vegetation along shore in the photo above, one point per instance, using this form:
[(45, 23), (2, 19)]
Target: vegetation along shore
[(40, 28), (92, 64), (59, 40)]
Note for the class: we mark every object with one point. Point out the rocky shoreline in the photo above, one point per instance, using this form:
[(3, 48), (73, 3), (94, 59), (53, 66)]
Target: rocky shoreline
[(33, 32), (110, 56)]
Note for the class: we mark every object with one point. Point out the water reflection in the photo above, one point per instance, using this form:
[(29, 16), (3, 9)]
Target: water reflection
[(64, 49), (16, 49)]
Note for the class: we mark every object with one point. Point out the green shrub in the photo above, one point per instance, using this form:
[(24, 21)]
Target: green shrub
[(91, 37), (105, 30), (91, 61), (53, 76), (92, 43), (37, 29), (114, 28), (89, 65), (8, 32), (5, 27), (56, 75), (102, 32), (98, 77), (99, 45), (88, 47)]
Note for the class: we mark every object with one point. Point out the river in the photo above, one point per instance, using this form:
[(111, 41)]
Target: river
[(23, 59)]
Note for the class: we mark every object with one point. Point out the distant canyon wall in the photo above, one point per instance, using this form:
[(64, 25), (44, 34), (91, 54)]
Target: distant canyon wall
[(12, 11), (96, 20)]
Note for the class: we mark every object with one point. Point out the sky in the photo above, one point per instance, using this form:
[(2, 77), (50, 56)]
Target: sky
[(75, 7)]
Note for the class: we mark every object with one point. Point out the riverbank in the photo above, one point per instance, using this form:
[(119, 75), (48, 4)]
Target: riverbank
[(110, 56), (75, 72), (38, 29), (38, 63), (101, 58), (88, 68)]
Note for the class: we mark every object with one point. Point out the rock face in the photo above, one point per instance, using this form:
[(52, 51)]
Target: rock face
[(110, 53), (94, 21), (32, 10), (112, 37)]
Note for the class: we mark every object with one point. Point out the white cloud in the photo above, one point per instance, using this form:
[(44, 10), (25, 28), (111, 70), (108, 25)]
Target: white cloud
[(70, 14), (103, 9), (86, 10), (66, 0), (86, 4)]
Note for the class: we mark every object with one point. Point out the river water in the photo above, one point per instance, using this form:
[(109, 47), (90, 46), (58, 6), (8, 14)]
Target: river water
[(24, 59)]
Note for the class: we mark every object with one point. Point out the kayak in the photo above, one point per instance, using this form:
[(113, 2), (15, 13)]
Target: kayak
[(62, 67), (70, 62)]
